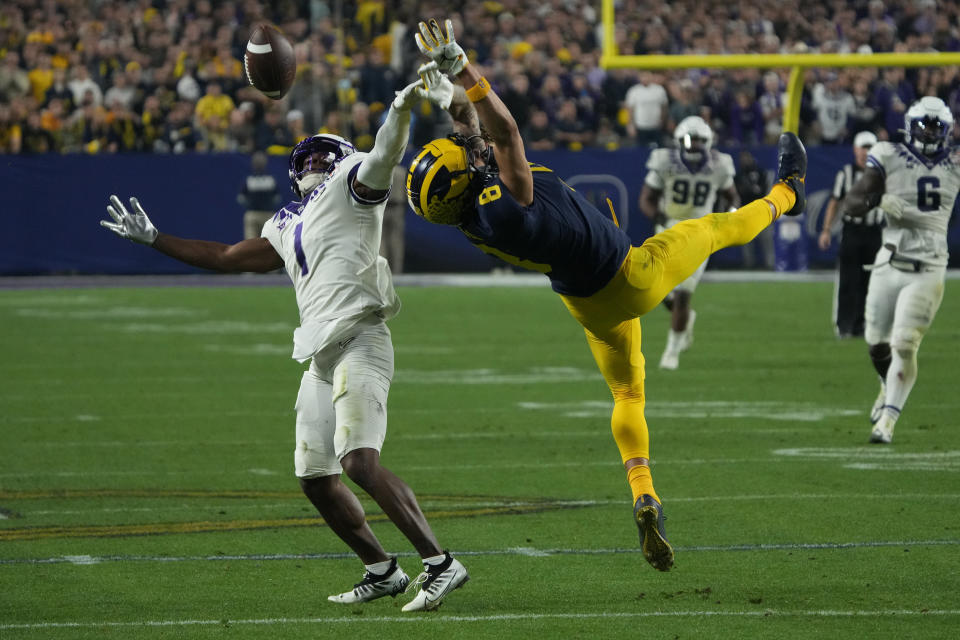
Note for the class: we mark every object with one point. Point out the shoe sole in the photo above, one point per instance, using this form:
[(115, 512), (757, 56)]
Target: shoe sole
[(876, 438), (656, 549)]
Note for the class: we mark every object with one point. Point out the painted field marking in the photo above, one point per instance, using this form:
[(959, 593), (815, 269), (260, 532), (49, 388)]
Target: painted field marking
[(873, 458), (112, 313), (212, 327), (532, 552), (767, 410), (443, 619), (296, 500)]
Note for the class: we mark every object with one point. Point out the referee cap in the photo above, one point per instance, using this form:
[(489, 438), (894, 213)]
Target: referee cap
[(864, 139)]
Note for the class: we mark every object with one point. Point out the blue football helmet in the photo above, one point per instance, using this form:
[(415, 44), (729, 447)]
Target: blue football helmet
[(314, 159), (928, 125)]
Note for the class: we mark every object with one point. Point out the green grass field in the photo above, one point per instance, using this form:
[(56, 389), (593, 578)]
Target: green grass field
[(147, 489)]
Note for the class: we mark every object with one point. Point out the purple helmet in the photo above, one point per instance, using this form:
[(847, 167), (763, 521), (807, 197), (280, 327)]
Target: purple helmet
[(316, 154)]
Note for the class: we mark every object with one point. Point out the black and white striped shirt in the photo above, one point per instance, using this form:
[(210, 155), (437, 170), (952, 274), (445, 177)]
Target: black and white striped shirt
[(845, 179)]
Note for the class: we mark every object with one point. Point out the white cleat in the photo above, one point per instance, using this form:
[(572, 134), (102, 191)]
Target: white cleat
[(669, 360), (375, 586), (877, 409), (882, 432), (435, 583)]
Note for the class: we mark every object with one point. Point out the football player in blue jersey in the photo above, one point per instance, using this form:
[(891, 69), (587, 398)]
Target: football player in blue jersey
[(526, 215)]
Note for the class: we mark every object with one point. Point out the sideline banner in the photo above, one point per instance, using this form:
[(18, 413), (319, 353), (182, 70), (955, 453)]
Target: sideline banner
[(51, 208)]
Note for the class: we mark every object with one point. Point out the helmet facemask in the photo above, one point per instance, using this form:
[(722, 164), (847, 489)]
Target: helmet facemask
[(314, 159), (929, 124), (443, 180)]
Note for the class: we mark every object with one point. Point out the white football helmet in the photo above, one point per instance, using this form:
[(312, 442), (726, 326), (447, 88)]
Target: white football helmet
[(928, 125), (694, 137)]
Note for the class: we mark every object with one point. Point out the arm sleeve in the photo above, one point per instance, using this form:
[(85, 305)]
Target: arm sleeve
[(376, 171)]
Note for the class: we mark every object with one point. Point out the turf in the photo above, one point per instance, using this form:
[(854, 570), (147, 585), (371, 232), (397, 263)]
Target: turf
[(146, 485)]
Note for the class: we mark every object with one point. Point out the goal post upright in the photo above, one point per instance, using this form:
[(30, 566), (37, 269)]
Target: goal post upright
[(796, 62)]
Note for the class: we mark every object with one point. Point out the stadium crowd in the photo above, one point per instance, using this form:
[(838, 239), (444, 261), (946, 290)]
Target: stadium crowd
[(82, 76)]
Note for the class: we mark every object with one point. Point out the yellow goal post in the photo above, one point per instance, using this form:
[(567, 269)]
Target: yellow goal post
[(796, 62)]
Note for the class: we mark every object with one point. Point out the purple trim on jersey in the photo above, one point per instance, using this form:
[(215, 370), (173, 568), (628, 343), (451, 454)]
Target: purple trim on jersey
[(358, 197), (872, 162), (695, 168), (928, 161)]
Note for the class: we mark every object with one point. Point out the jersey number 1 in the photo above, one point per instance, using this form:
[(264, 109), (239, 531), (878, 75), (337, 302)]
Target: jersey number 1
[(298, 249)]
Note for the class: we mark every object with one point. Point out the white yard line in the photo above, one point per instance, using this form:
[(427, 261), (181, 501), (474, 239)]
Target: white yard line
[(518, 617), (532, 552)]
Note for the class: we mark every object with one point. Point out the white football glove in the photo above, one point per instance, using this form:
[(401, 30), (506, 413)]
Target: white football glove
[(893, 205), (442, 49), (409, 96), (135, 226), (436, 86)]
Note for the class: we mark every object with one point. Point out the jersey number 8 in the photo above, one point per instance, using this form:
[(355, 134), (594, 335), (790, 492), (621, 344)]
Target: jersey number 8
[(681, 192)]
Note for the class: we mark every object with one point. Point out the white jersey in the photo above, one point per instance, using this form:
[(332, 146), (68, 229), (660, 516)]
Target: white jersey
[(929, 186), (688, 192), (330, 243)]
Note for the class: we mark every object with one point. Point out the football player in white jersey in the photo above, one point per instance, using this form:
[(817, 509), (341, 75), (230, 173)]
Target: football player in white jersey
[(329, 240), (915, 182), (681, 184)]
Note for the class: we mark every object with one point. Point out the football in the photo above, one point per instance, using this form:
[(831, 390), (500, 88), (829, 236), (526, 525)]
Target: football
[(269, 61)]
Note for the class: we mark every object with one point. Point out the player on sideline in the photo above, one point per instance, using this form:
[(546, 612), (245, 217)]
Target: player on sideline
[(524, 214), (687, 181), (328, 240), (915, 183)]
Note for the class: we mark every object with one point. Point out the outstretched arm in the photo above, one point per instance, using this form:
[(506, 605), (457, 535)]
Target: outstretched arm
[(254, 254), (504, 133), (493, 114), (375, 174)]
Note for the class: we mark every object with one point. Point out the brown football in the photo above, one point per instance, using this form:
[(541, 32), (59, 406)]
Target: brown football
[(269, 61)]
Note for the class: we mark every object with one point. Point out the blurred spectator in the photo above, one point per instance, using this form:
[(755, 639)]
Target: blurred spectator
[(259, 197), (85, 90), (36, 139), (272, 135), (518, 100), (179, 135), (539, 133), (647, 103), (14, 81), (59, 90), (392, 244), (685, 102), (746, 120), (569, 130), (834, 106), (539, 54), (771, 106), (120, 93), (360, 128)]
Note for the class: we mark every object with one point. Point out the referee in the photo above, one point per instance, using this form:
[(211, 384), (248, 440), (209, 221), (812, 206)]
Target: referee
[(859, 244)]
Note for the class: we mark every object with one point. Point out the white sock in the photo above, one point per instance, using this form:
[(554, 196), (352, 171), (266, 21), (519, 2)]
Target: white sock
[(434, 560), (673, 341), (901, 376), (379, 568)]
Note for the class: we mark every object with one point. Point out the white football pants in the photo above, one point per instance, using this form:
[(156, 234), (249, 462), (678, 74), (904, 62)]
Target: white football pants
[(342, 403)]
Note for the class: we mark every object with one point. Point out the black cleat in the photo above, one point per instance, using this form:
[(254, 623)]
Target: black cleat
[(792, 169), (653, 539)]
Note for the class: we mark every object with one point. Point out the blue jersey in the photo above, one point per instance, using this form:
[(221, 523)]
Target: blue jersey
[(560, 234)]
